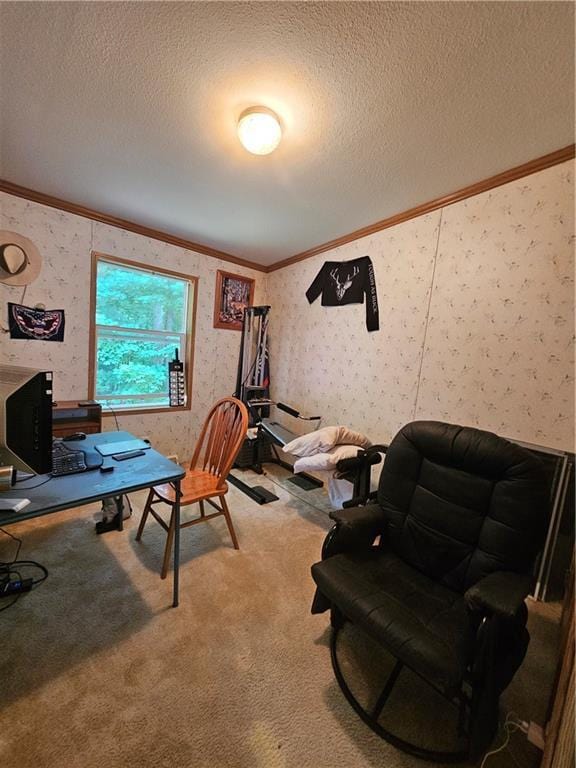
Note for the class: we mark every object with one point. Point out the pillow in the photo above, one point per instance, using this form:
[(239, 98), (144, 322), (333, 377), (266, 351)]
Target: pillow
[(325, 461), (319, 441), (349, 437), (322, 440)]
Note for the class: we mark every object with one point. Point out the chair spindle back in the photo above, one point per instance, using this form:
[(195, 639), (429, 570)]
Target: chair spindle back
[(221, 438)]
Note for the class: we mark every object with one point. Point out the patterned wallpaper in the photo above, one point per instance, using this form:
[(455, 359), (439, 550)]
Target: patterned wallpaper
[(65, 242), (323, 359), (476, 321)]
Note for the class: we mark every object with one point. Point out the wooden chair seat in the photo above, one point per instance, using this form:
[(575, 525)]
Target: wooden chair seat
[(197, 485), (220, 441)]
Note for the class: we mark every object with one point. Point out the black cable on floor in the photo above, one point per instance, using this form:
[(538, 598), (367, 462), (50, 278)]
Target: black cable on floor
[(9, 571)]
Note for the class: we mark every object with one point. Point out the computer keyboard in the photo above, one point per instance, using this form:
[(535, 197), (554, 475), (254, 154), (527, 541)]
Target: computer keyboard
[(67, 461)]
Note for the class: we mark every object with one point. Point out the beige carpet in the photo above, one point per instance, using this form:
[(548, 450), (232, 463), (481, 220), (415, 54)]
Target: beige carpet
[(97, 671)]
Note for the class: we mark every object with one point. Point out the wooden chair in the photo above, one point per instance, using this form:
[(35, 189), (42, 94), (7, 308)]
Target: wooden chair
[(220, 440)]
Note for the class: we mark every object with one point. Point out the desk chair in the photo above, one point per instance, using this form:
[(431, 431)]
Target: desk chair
[(460, 516), (220, 440)]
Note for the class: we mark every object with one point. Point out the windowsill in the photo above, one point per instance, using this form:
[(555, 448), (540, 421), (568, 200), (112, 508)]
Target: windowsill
[(106, 412)]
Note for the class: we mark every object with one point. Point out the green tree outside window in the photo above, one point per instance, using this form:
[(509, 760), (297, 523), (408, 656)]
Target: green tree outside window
[(141, 318)]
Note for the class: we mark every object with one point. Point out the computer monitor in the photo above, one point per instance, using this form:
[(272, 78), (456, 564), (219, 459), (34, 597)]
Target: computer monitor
[(26, 418)]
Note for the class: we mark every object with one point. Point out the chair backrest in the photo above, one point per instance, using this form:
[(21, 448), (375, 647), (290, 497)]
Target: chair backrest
[(221, 438), (461, 503)]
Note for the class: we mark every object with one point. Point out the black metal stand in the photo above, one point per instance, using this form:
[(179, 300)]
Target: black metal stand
[(371, 718), (257, 493)]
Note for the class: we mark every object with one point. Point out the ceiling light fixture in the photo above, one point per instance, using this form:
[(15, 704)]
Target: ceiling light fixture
[(259, 130)]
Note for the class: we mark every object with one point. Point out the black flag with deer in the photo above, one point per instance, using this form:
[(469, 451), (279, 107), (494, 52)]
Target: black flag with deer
[(347, 282)]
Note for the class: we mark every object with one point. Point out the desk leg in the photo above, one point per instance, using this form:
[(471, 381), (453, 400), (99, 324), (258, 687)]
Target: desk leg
[(120, 514), (176, 542)]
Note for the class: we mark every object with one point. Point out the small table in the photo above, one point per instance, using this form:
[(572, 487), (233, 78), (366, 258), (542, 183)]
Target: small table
[(68, 491)]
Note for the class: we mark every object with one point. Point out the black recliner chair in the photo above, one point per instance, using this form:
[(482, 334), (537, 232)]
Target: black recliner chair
[(461, 515)]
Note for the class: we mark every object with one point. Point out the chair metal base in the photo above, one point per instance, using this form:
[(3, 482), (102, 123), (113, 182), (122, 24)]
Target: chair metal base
[(371, 718)]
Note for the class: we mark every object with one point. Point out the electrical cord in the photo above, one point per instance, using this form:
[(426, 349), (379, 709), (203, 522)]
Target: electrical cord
[(511, 725), (18, 547), (9, 571), (109, 407), (34, 564), (29, 487)]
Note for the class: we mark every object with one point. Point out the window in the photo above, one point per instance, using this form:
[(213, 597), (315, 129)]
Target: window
[(140, 317)]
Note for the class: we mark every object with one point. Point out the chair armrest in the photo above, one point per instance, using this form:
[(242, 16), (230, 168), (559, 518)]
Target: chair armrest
[(500, 593), (355, 529), (366, 457), (370, 516)]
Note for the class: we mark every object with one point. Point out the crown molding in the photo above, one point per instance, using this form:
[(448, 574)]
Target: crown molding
[(130, 226), (518, 172), (539, 164)]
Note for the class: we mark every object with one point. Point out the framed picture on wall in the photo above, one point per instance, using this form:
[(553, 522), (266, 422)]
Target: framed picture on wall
[(233, 294)]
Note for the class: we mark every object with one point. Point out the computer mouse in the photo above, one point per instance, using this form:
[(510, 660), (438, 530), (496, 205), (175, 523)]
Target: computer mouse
[(75, 436)]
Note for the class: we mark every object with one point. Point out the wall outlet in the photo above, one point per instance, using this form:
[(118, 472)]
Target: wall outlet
[(173, 458)]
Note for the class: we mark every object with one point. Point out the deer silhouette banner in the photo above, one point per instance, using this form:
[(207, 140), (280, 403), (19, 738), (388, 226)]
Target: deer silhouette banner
[(347, 282)]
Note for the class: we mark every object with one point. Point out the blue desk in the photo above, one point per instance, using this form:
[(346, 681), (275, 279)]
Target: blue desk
[(69, 491)]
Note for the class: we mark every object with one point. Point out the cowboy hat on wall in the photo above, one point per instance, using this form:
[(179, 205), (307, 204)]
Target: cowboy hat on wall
[(20, 260)]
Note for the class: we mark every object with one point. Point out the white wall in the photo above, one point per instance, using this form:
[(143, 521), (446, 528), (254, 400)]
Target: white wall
[(476, 321), (65, 242)]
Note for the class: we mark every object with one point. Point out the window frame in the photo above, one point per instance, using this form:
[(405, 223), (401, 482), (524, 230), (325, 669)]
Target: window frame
[(192, 281)]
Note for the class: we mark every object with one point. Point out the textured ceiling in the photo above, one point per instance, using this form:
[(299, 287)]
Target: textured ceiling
[(130, 108)]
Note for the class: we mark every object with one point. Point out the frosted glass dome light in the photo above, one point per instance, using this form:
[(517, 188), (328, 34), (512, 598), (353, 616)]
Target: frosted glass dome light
[(259, 130)]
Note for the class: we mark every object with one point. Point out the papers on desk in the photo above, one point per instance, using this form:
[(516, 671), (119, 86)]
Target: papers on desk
[(13, 505)]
